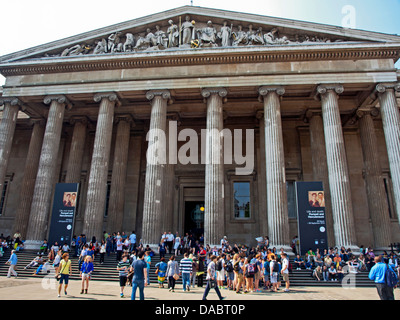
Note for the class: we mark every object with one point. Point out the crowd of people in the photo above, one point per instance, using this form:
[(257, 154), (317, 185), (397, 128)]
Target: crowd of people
[(226, 266)]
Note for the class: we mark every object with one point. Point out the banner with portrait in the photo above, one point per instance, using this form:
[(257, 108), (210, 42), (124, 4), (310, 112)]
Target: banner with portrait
[(63, 213), (310, 198)]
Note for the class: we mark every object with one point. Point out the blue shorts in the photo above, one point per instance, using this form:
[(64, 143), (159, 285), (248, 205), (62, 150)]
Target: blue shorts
[(64, 277)]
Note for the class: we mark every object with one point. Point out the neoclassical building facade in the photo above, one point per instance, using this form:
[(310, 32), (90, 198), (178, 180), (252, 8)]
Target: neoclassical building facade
[(319, 103)]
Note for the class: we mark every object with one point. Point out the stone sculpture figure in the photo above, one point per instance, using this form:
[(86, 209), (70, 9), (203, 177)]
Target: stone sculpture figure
[(114, 42), (225, 35), (272, 38), (129, 42), (101, 47), (255, 37), (207, 36), (239, 37), (173, 34), (161, 38), (76, 50), (146, 42), (187, 30)]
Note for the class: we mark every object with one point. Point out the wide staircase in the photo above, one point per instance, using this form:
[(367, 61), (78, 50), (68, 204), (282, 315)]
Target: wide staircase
[(107, 271)]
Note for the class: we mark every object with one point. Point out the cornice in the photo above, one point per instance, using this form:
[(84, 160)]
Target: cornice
[(192, 57)]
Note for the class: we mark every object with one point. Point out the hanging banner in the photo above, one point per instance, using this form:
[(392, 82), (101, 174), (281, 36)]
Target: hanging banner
[(311, 218), (63, 214)]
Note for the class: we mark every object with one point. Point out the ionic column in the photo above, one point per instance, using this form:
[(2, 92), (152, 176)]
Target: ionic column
[(277, 210), (77, 149), (339, 179), (28, 181), (391, 127), (214, 213), (320, 166), (7, 129), (377, 203), (97, 187), (118, 179), (44, 184), (155, 168)]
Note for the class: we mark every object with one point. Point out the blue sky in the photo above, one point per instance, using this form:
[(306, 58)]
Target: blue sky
[(28, 23)]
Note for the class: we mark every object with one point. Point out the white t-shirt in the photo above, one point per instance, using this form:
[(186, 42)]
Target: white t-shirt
[(285, 264), (170, 237)]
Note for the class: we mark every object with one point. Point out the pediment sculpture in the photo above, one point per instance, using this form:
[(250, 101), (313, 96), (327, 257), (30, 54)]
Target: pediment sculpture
[(188, 35)]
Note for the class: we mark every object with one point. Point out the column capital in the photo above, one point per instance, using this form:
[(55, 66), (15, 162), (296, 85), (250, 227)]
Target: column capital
[(207, 92), (383, 87), (13, 101), (78, 119), (264, 90), (165, 94), (372, 111), (60, 98), (324, 88), (125, 117), (111, 96)]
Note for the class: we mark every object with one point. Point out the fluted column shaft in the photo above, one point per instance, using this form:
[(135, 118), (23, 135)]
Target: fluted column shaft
[(44, 184), (214, 212), (339, 179), (377, 203), (77, 149), (7, 129), (320, 167), (155, 168), (391, 127), (97, 187), (28, 181), (118, 180), (277, 210)]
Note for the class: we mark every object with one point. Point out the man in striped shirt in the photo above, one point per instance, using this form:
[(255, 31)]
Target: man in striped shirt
[(123, 268), (185, 269)]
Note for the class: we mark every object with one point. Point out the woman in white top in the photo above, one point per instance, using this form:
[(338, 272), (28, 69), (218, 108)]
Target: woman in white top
[(177, 244)]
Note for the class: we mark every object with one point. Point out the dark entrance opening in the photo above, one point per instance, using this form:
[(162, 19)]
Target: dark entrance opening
[(194, 218)]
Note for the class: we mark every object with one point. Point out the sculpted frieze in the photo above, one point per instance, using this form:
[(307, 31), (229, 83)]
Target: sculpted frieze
[(188, 34)]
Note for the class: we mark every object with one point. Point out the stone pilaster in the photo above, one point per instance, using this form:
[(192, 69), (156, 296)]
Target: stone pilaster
[(155, 168), (97, 187), (28, 181), (377, 203), (118, 180), (44, 184), (214, 213), (391, 127), (277, 210), (261, 179), (7, 129), (339, 179), (77, 149), (320, 166)]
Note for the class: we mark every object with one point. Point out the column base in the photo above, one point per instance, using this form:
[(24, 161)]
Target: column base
[(32, 244), (286, 248), (379, 250)]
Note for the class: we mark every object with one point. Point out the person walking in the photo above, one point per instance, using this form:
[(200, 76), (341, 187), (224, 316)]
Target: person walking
[(86, 273), (65, 271), (13, 263), (211, 281), (285, 271), (102, 251), (172, 273), (185, 269), (123, 267), (140, 276), (378, 275), (161, 269)]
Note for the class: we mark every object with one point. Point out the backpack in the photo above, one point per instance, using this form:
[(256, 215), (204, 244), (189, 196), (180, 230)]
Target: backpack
[(390, 277), (236, 266), (229, 267), (218, 267), (251, 269), (275, 268)]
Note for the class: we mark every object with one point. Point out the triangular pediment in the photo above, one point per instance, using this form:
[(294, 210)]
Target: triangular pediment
[(152, 33)]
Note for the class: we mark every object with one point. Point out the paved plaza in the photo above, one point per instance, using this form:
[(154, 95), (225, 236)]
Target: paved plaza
[(39, 289)]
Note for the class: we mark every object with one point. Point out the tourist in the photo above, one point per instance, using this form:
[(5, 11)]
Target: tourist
[(65, 247), (44, 247), (378, 275), (57, 260), (201, 269), (211, 281), (132, 239), (249, 270), (266, 273), (170, 241), (220, 267), (317, 273), (172, 273), (147, 259), (298, 262), (35, 262), (102, 251), (325, 273), (340, 273), (119, 247), (140, 276), (274, 271), (13, 263), (123, 268), (86, 273), (195, 269), (161, 268), (332, 273), (66, 271), (185, 270), (230, 276), (177, 244), (285, 271)]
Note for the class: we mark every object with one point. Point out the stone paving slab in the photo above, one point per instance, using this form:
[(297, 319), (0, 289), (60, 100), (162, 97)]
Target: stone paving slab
[(45, 289)]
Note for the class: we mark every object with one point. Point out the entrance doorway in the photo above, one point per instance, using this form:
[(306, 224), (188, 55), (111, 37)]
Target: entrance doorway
[(194, 218)]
